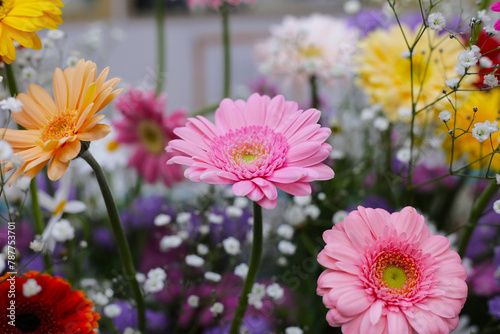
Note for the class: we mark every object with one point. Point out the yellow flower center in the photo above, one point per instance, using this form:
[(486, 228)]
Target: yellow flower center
[(395, 277), (152, 137), (61, 125), (248, 157), (5, 8), (311, 52), (113, 146)]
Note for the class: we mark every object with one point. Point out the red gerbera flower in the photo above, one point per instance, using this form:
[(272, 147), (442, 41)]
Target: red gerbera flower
[(44, 305)]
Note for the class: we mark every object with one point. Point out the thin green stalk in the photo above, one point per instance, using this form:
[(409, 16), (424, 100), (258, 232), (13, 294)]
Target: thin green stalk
[(37, 212), (121, 239), (475, 214), (313, 81), (252, 269), (160, 34), (226, 41)]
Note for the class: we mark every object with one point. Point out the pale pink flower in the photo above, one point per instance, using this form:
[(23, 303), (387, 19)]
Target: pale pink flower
[(387, 274), (217, 3), (147, 128), (256, 145)]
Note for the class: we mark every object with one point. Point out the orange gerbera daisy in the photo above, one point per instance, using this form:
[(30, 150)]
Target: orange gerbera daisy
[(55, 129), (19, 19), (44, 305)]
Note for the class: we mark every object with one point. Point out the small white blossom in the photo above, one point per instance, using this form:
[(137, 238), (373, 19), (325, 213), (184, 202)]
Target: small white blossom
[(112, 310), (153, 285), (29, 73), (184, 235), (215, 219), (302, 200), (285, 231), (275, 291), (286, 247), (31, 288), (406, 54), (459, 69), (17, 162), (109, 292), (381, 123), (84, 244), (481, 132), (88, 282), (6, 150), (63, 231), (293, 330), (436, 21), (162, 219), (12, 104), (403, 155), (100, 299), (241, 202), (312, 211), (36, 245), (468, 58), (71, 61), (157, 274), (339, 216), (234, 212), (336, 154), (217, 309), (241, 270), (193, 301), (490, 80), (169, 242), (492, 127), (367, 114), (202, 249), (496, 206), (351, 7), (404, 112), (184, 218), (259, 290), (295, 215), (497, 176), (204, 229), (485, 62), (211, 276), (452, 83), (255, 301), (321, 196), (130, 330), (140, 277), (477, 51), (231, 246), (282, 261), (55, 34), (2, 263), (445, 115), (194, 260)]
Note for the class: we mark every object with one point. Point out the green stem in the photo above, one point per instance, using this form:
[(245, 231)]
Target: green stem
[(37, 212), (160, 34), (226, 41), (252, 269), (313, 81), (475, 214), (121, 239)]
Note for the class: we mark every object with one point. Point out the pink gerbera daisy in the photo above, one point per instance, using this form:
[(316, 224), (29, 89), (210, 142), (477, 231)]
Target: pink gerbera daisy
[(387, 274), (146, 127), (256, 145)]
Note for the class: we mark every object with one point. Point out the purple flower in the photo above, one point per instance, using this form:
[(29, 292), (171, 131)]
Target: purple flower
[(254, 323), (156, 322), (494, 306)]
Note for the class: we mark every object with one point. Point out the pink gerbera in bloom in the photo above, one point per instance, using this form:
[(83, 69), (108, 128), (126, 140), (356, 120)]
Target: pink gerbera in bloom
[(256, 145), (146, 127), (387, 274), (496, 8)]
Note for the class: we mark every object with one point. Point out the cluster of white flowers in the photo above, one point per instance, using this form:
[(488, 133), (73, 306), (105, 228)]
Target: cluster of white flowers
[(217, 309), (63, 231), (299, 48), (11, 104), (496, 206), (170, 242), (436, 21), (275, 291), (112, 310), (130, 330), (339, 216), (194, 260), (162, 219), (286, 247), (155, 281), (469, 58), (241, 270), (31, 288), (293, 330), (255, 297), (211, 276), (482, 131), (490, 80), (231, 246), (445, 116)]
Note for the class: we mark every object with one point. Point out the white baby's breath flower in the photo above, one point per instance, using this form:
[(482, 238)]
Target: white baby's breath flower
[(217, 309), (100, 299), (169, 242), (36, 245), (29, 73), (496, 206), (255, 301), (302, 200), (231, 246), (241, 270), (459, 69), (112, 310), (215, 218), (211, 276), (162, 219), (312, 211), (403, 155), (157, 274), (351, 7), (183, 218), (31, 288), (339, 216), (63, 231), (381, 123), (485, 62), (202, 249), (490, 80), (153, 285), (275, 291), (234, 212), (6, 150), (445, 115), (12, 104), (481, 131), (404, 112), (130, 330), (194, 260), (71, 61), (285, 231), (436, 21), (193, 301), (452, 83), (468, 58), (293, 330), (55, 34), (241, 202), (286, 247), (497, 176)]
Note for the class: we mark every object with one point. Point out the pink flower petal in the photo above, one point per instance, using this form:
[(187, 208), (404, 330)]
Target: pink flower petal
[(243, 188), (436, 245), (302, 151), (495, 7), (287, 175), (267, 188), (397, 323), (367, 326), (296, 189), (375, 311)]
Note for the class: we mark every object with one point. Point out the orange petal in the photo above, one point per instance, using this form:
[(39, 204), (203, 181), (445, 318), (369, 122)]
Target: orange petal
[(97, 132), (20, 138), (56, 169), (60, 89), (43, 99), (69, 151)]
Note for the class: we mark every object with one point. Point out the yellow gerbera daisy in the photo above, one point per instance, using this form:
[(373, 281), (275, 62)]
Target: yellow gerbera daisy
[(19, 19), (54, 129), (487, 104), (383, 65)]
